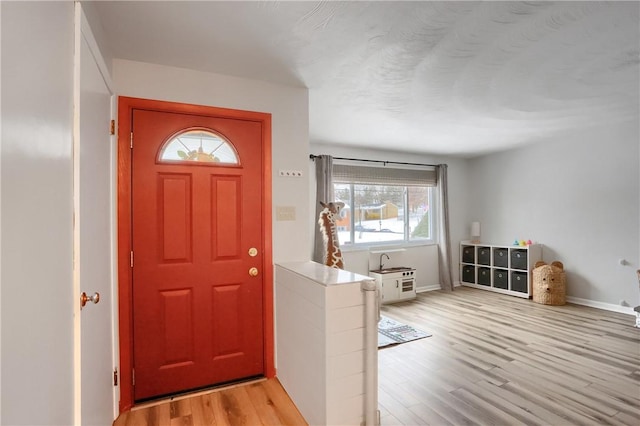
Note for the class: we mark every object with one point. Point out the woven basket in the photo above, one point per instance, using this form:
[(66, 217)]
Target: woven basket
[(549, 284)]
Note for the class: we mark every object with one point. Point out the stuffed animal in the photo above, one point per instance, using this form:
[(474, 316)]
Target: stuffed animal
[(327, 223), (549, 283)]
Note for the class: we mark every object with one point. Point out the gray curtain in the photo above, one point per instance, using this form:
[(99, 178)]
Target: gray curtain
[(444, 246), (324, 193)]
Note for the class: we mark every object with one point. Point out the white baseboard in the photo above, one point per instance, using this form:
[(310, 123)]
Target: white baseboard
[(584, 302), (428, 288), (601, 305), (433, 287), (575, 300)]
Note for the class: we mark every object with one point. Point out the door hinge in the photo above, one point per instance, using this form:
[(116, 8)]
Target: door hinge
[(112, 127), (131, 141), (131, 259), (133, 377), (115, 376)]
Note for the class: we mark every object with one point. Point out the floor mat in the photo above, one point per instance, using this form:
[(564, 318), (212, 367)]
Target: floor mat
[(392, 332)]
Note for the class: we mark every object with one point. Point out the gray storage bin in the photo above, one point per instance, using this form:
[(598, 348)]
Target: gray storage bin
[(501, 278), (469, 274), (468, 254), (519, 259), (484, 255), (484, 276), (519, 282), (501, 257)]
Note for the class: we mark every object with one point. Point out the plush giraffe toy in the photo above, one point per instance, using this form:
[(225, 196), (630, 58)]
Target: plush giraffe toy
[(327, 222)]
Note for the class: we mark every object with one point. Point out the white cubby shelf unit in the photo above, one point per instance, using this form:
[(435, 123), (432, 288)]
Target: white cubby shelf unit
[(503, 268)]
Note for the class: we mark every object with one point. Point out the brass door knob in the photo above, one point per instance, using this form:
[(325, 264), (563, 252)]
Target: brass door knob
[(253, 271), (84, 299)]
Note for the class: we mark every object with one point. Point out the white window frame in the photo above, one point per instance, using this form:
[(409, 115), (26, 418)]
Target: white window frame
[(406, 241)]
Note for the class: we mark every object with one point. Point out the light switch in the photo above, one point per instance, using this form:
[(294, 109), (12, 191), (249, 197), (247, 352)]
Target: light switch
[(285, 213)]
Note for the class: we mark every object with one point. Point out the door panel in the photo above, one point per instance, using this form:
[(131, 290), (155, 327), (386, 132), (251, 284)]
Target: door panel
[(197, 313), (226, 302), (93, 245), (176, 320), (226, 211), (175, 217)]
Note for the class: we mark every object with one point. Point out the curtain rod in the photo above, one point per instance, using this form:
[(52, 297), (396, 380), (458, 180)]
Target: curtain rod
[(313, 157)]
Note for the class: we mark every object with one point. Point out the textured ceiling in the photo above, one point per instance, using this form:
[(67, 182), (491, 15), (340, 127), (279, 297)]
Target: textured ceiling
[(453, 78)]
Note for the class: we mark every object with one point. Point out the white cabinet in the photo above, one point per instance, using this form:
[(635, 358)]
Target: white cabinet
[(501, 268), (389, 290), (396, 286)]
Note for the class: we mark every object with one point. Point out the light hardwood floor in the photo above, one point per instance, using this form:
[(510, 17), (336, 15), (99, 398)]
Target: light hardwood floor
[(492, 360), (259, 403), (502, 360)]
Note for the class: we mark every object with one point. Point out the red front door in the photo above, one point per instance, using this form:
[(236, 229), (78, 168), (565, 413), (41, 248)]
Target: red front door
[(197, 230)]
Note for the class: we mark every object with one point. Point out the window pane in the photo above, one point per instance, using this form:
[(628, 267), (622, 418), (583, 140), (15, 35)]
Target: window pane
[(375, 214), (343, 193), (378, 213), (198, 146), (419, 213)]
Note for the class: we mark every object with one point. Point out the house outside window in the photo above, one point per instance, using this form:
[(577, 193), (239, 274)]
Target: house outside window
[(384, 205)]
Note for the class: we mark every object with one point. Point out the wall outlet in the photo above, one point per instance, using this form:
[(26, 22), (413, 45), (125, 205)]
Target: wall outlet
[(290, 173)]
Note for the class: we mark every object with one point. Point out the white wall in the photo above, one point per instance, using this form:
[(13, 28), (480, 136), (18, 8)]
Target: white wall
[(290, 133), (578, 196), (423, 258), (37, 117)]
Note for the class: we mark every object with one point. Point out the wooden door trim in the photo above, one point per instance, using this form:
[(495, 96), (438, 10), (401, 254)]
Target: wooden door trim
[(126, 105)]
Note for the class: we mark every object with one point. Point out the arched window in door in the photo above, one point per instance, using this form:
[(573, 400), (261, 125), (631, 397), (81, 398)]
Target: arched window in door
[(198, 146)]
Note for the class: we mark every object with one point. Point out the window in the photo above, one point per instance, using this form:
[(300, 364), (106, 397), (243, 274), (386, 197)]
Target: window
[(200, 146), (384, 205)]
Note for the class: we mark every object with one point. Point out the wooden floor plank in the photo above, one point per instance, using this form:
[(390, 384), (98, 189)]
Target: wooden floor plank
[(427, 416), (182, 421), (180, 408), (400, 413), (135, 418), (505, 412), (237, 408), (544, 415), (219, 409), (202, 411), (273, 406), (160, 414), (265, 408)]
